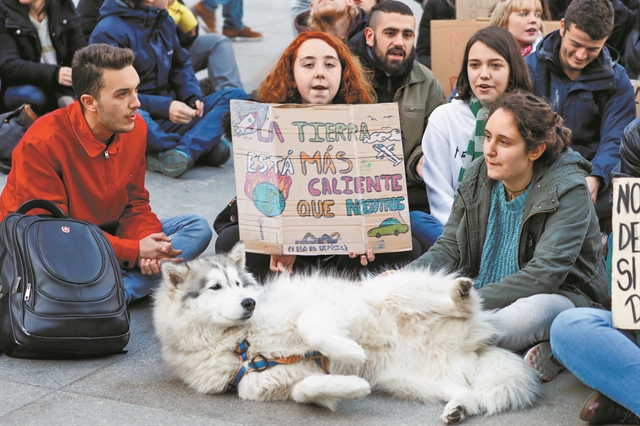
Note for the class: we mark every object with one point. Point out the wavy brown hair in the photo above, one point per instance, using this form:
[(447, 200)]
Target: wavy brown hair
[(280, 86), (537, 123)]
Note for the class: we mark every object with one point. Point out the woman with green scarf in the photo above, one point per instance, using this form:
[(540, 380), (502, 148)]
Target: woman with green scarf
[(492, 65)]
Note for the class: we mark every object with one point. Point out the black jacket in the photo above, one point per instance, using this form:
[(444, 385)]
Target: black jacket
[(434, 10), (630, 150), (20, 49)]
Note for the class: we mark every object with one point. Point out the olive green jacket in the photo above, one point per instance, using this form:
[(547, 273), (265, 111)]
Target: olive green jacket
[(559, 247)]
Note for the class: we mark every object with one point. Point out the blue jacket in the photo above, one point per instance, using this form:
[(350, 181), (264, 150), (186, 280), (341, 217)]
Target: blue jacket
[(164, 67), (597, 106)]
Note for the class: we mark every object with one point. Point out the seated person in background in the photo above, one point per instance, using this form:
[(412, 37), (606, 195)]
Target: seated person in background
[(213, 52), (34, 67), (575, 71), (313, 59), (523, 19), (233, 12), (612, 366), (491, 66), (434, 10), (89, 159), (387, 51), (340, 18), (523, 228), (182, 125)]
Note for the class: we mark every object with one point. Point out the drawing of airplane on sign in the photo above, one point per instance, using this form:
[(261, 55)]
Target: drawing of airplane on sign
[(386, 152)]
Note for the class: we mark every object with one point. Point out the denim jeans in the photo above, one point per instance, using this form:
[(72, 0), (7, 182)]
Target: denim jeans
[(40, 102), (190, 233), (527, 321), (198, 136), (231, 10), (215, 53), (599, 355), (425, 228)]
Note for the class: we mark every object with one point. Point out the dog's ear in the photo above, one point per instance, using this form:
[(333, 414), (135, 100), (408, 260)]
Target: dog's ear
[(237, 254), (173, 274)]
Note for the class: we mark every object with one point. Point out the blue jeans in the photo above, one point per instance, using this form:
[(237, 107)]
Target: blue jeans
[(190, 233), (215, 53), (197, 137), (602, 357), (425, 228), (231, 10), (40, 102)]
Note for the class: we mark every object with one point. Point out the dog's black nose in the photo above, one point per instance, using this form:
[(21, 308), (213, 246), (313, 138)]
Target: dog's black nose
[(249, 304)]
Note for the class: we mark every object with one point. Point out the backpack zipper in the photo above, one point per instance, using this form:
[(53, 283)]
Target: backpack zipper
[(15, 289), (27, 293)]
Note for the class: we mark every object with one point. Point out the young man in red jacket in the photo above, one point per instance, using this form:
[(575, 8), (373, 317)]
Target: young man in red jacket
[(89, 159)]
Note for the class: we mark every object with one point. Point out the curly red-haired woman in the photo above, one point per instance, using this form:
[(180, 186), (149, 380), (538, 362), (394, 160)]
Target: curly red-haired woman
[(316, 68), (283, 84)]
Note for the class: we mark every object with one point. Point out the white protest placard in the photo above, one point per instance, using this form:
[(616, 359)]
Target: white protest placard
[(320, 179), (625, 267)]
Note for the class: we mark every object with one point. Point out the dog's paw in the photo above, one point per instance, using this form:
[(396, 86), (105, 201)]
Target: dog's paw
[(453, 414), (461, 289), (345, 351), (355, 388)]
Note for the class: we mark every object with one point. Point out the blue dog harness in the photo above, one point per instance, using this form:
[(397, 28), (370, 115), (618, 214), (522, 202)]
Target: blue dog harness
[(259, 363)]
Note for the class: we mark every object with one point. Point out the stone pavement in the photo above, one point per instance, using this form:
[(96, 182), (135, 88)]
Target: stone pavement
[(136, 388)]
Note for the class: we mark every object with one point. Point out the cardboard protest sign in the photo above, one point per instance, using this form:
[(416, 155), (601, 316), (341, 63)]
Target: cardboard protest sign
[(625, 266), (320, 179), (448, 41)]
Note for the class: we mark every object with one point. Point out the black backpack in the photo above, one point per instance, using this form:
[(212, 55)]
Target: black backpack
[(61, 288)]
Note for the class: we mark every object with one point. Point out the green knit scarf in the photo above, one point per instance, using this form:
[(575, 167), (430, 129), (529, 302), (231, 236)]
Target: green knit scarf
[(476, 143)]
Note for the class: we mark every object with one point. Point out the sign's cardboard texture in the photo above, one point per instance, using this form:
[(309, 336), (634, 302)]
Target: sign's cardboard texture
[(320, 179), (625, 265), (448, 40), (636, 91), (472, 9)]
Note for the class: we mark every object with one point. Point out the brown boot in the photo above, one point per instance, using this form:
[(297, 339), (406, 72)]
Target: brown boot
[(245, 34), (27, 116), (601, 410), (207, 15)]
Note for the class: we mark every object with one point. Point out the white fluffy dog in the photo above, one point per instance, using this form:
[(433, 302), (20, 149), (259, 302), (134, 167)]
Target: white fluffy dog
[(416, 334)]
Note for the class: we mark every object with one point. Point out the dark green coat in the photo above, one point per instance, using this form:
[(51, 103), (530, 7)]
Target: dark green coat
[(559, 248)]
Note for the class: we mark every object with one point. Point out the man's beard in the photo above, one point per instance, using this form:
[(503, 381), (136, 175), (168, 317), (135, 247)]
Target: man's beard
[(392, 68)]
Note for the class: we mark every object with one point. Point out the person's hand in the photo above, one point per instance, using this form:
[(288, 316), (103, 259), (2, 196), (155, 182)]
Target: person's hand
[(180, 113), (193, 32), (152, 250), (64, 76), (419, 167), (364, 258), (199, 105), (282, 263), (594, 185)]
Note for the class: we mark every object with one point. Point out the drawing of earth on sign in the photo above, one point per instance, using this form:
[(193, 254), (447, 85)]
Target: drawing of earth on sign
[(268, 191)]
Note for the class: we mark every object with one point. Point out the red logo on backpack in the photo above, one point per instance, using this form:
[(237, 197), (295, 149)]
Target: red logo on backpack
[(66, 229)]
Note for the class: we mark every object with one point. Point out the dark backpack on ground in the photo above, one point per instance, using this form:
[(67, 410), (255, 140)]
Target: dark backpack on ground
[(13, 125), (61, 288)]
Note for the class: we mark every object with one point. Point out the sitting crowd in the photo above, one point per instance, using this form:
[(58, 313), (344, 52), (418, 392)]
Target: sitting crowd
[(509, 183)]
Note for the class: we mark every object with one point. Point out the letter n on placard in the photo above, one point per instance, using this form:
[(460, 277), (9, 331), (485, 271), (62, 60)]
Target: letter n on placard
[(625, 265)]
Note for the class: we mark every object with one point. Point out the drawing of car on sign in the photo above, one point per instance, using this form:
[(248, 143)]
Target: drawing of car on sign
[(388, 227)]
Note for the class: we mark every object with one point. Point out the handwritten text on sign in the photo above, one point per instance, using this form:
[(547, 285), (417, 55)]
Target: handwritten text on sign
[(625, 274), (320, 179)]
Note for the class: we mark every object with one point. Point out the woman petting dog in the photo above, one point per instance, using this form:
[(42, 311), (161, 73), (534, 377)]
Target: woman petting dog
[(523, 228), (318, 69)]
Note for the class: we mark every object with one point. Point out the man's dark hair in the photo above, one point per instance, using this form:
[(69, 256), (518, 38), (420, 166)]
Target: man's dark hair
[(504, 44), (89, 64), (388, 6), (594, 17)]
